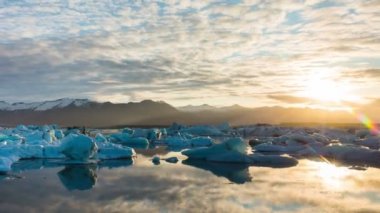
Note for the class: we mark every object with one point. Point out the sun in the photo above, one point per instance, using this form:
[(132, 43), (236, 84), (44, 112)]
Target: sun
[(326, 88)]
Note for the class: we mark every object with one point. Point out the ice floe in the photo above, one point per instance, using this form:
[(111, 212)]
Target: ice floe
[(272, 146)]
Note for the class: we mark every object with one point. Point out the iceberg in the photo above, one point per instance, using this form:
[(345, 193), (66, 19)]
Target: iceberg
[(232, 150), (114, 151), (371, 142), (275, 161), (127, 139), (156, 160), (172, 160), (52, 151), (78, 147), (235, 150), (100, 138), (6, 164), (202, 131), (201, 141), (177, 141)]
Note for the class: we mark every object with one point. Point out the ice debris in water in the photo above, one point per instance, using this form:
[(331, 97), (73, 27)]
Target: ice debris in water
[(236, 150), (45, 142), (156, 159), (355, 147)]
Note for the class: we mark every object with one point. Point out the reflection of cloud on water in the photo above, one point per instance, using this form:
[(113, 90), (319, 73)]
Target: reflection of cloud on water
[(181, 188)]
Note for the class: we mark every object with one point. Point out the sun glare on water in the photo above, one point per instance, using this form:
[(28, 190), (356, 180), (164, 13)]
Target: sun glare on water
[(331, 176)]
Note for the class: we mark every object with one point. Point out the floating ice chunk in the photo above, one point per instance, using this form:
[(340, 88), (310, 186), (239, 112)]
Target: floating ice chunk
[(229, 157), (362, 133), (177, 141), (114, 151), (135, 141), (156, 159), (201, 141), (372, 143), (236, 144), (126, 139), (321, 138), (255, 141), (276, 161), (52, 151), (202, 131), (352, 155), (6, 164), (224, 127), (348, 154), (263, 131), (21, 128), (127, 131), (268, 147), (150, 134), (118, 137), (340, 135), (59, 134), (100, 138), (78, 147), (164, 132), (49, 136), (233, 150), (23, 151), (34, 137), (172, 160)]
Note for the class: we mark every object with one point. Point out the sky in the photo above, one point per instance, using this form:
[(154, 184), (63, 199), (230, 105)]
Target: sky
[(222, 52)]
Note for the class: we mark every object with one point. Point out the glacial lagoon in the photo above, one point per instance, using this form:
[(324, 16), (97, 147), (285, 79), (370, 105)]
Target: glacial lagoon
[(187, 186)]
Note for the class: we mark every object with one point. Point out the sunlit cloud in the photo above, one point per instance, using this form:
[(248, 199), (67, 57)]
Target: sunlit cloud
[(169, 50)]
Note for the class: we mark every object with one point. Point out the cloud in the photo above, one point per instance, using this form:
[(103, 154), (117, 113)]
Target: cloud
[(291, 99), (193, 47)]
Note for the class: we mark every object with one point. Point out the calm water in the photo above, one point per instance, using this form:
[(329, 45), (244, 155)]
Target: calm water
[(187, 186)]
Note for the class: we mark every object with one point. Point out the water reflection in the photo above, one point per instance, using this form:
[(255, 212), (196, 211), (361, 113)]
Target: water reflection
[(331, 176), (72, 176), (78, 177), (237, 173), (110, 164)]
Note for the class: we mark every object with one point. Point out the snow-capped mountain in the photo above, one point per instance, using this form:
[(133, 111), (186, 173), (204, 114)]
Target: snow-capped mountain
[(83, 112), (42, 106), (206, 107), (192, 108)]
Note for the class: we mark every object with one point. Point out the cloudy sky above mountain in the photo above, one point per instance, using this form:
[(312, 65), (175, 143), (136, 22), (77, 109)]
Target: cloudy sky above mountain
[(248, 52)]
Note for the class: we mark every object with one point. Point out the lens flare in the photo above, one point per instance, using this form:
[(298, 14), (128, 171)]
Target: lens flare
[(366, 121)]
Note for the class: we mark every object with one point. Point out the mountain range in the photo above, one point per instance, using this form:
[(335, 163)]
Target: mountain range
[(83, 112)]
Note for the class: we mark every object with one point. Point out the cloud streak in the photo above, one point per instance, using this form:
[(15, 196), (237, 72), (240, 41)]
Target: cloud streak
[(231, 50)]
